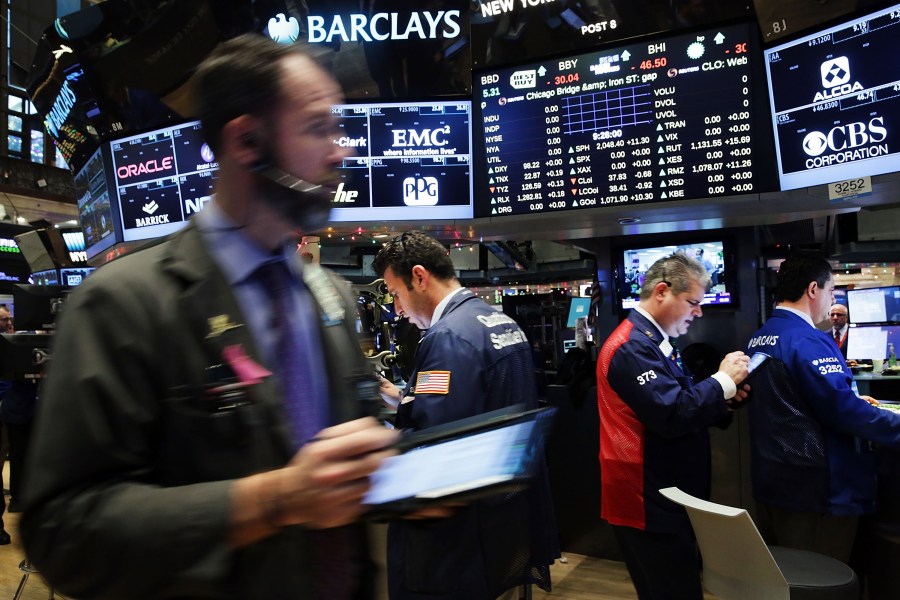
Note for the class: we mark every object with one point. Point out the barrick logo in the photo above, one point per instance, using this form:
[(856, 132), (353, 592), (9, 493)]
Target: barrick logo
[(836, 79), (846, 142), (151, 166)]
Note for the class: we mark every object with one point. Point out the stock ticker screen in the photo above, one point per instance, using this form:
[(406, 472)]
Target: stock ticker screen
[(409, 161), (668, 119), (835, 98), (161, 179)]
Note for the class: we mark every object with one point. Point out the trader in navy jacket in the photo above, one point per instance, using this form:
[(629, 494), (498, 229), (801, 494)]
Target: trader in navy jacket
[(471, 359), (653, 429), (812, 467)]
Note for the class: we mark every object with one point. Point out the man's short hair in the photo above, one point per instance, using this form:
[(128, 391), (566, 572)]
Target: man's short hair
[(679, 271), (241, 76), (413, 248), (796, 273)]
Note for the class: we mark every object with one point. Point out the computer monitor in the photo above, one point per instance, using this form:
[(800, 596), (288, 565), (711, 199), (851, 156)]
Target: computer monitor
[(868, 342), (578, 307), (37, 306), (874, 305)]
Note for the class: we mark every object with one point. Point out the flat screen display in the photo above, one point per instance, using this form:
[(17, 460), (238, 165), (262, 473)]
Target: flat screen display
[(629, 125), (161, 178), (411, 161), (74, 276), (636, 263), (46, 277), (381, 49), (874, 305), (578, 308), (507, 31), (779, 18), (92, 195), (835, 98), (871, 341)]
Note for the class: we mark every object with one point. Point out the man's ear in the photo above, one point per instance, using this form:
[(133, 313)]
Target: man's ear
[(420, 276), (242, 139)]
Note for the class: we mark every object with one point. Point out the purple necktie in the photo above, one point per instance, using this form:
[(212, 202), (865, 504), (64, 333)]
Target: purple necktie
[(335, 553), (291, 363)]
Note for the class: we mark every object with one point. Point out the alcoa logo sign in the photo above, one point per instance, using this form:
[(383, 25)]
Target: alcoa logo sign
[(836, 79)]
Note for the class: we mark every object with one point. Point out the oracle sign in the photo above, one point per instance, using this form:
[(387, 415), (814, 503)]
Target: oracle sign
[(143, 168)]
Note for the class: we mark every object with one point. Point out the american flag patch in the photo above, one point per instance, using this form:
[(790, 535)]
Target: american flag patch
[(433, 382)]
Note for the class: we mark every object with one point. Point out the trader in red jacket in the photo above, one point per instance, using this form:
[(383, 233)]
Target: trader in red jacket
[(653, 429)]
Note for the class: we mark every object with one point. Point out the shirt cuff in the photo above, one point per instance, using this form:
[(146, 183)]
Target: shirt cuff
[(728, 385)]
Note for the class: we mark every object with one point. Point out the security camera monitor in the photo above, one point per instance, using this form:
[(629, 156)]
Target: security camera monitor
[(410, 161), (874, 305), (835, 98), (713, 255)]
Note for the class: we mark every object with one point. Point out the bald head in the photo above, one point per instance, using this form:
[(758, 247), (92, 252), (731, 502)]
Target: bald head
[(838, 315)]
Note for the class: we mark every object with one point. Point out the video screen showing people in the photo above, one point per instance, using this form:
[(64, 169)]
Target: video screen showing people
[(636, 263)]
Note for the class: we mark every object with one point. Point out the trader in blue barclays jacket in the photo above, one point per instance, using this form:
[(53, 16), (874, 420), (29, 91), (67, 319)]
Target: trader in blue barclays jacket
[(653, 429), (471, 359), (812, 465)]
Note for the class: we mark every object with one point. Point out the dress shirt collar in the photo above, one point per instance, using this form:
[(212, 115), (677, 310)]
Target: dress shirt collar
[(237, 255), (799, 313), (665, 343), (442, 305)]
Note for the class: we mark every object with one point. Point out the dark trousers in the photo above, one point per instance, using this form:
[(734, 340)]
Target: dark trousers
[(830, 535), (19, 438), (662, 566)]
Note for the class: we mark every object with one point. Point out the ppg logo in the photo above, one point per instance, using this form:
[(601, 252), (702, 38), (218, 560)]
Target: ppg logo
[(420, 191), (835, 72)]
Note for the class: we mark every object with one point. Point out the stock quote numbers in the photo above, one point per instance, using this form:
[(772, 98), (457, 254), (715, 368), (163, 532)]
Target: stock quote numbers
[(621, 127)]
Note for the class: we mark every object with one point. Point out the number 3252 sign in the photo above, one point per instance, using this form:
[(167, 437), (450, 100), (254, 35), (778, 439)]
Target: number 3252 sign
[(850, 189)]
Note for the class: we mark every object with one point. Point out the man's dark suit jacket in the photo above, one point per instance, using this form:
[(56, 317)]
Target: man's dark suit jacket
[(131, 468)]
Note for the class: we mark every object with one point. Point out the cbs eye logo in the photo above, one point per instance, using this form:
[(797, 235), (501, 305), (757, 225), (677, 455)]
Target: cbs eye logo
[(815, 143)]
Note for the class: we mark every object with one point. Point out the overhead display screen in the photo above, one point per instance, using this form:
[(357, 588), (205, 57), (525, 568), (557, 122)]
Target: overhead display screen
[(94, 206), (662, 120), (779, 18), (161, 179), (512, 31), (410, 162), (835, 99)]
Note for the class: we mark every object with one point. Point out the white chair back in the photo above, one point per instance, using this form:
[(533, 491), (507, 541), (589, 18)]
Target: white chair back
[(737, 564)]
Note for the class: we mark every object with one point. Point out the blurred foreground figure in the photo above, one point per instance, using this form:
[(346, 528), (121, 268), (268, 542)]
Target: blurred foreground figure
[(170, 457)]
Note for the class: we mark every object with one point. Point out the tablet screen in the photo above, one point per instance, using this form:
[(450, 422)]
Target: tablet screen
[(445, 468)]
